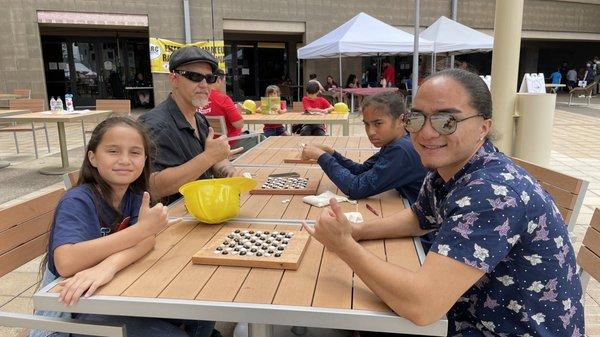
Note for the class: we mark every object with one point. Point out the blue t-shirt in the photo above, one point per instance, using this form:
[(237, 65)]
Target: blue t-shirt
[(556, 77), (494, 216), (397, 165), (77, 218)]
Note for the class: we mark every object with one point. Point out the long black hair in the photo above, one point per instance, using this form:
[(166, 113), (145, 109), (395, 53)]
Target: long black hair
[(101, 190)]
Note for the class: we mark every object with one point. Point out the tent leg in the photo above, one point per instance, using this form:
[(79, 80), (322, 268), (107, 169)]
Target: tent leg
[(341, 77)]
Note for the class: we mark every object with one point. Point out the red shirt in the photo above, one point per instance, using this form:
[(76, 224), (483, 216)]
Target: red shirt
[(283, 106), (314, 103), (389, 74), (219, 104)]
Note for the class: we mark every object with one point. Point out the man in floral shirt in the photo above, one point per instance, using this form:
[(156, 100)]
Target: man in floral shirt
[(501, 263)]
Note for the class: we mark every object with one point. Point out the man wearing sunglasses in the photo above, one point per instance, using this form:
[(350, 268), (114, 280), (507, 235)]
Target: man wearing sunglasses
[(185, 147), (501, 263)]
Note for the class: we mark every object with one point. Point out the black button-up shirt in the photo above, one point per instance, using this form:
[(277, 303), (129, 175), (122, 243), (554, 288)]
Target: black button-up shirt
[(174, 141)]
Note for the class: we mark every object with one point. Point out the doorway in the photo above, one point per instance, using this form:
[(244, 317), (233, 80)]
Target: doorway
[(93, 67), (252, 66)]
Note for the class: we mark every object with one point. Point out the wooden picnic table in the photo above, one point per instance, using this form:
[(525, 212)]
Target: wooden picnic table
[(323, 292), (301, 118), (337, 142), (60, 118)]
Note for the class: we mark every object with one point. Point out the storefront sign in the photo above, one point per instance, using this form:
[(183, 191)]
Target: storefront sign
[(161, 49)]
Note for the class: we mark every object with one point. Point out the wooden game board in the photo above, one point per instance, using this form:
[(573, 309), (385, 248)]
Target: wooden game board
[(296, 158), (222, 250), (310, 188)]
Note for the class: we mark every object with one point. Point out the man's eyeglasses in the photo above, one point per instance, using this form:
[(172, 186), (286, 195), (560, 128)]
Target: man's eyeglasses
[(197, 77), (442, 122)]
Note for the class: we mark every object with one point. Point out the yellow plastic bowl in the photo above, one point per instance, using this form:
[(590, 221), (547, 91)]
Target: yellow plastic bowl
[(215, 200)]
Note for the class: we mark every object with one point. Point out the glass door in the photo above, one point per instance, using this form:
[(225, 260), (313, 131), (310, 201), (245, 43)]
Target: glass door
[(86, 69), (246, 72), (241, 65)]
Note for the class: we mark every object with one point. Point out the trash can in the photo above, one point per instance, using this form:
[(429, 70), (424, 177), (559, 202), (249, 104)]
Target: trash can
[(533, 139)]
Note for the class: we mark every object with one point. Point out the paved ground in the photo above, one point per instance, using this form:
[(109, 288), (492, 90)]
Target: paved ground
[(575, 151)]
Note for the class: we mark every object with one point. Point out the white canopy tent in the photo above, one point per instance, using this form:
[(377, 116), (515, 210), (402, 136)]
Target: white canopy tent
[(363, 35), (453, 38)]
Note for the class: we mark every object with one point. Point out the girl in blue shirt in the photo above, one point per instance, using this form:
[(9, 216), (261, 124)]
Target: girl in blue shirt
[(92, 235)]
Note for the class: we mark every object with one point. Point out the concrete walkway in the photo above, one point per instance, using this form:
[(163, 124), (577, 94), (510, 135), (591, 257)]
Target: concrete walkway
[(575, 151)]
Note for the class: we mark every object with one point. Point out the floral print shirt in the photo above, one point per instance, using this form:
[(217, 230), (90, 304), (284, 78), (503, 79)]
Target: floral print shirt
[(494, 216)]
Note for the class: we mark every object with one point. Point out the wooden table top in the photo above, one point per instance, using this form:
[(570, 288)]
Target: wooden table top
[(322, 280), (4, 113), (56, 116), (337, 142), (295, 117), (275, 157)]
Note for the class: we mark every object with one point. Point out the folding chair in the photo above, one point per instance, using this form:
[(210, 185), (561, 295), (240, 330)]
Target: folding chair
[(33, 105)]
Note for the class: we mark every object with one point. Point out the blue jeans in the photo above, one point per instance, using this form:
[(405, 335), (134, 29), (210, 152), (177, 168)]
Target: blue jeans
[(313, 130), (149, 327), (274, 131)]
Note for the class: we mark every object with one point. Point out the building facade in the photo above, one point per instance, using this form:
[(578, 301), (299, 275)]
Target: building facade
[(95, 49)]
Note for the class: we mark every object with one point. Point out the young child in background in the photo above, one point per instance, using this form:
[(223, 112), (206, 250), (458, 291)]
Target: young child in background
[(313, 104), (105, 223), (274, 129), (396, 165)]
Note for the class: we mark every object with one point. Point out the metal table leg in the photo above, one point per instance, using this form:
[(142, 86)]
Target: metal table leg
[(260, 330)]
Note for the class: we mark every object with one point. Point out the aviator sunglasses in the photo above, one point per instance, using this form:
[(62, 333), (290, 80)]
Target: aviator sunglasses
[(442, 122), (197, 77)]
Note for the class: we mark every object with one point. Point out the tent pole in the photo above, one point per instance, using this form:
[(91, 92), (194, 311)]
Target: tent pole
[(415, 65), (433, 63), (454, 17), (298, 82), (340, 82)]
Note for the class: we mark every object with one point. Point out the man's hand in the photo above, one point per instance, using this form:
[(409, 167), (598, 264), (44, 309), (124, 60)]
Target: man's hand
[(311, 152), (217, 149), (154, 219), (332, 229)]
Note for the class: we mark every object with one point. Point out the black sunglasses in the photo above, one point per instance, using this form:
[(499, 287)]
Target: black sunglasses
[(197, 77), (442, 122)]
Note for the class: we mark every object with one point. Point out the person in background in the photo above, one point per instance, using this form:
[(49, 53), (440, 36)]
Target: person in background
[(556, 78), (588, 76), (389, 74), (352, 82), (220, 104), (313, 78), (221, 82), (572, 78), (372, 74), (395, 166), (330, 83), (313, 104), (274, 129)]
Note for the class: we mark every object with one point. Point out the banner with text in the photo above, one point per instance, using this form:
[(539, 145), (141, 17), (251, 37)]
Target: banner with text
[(161, 50)]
